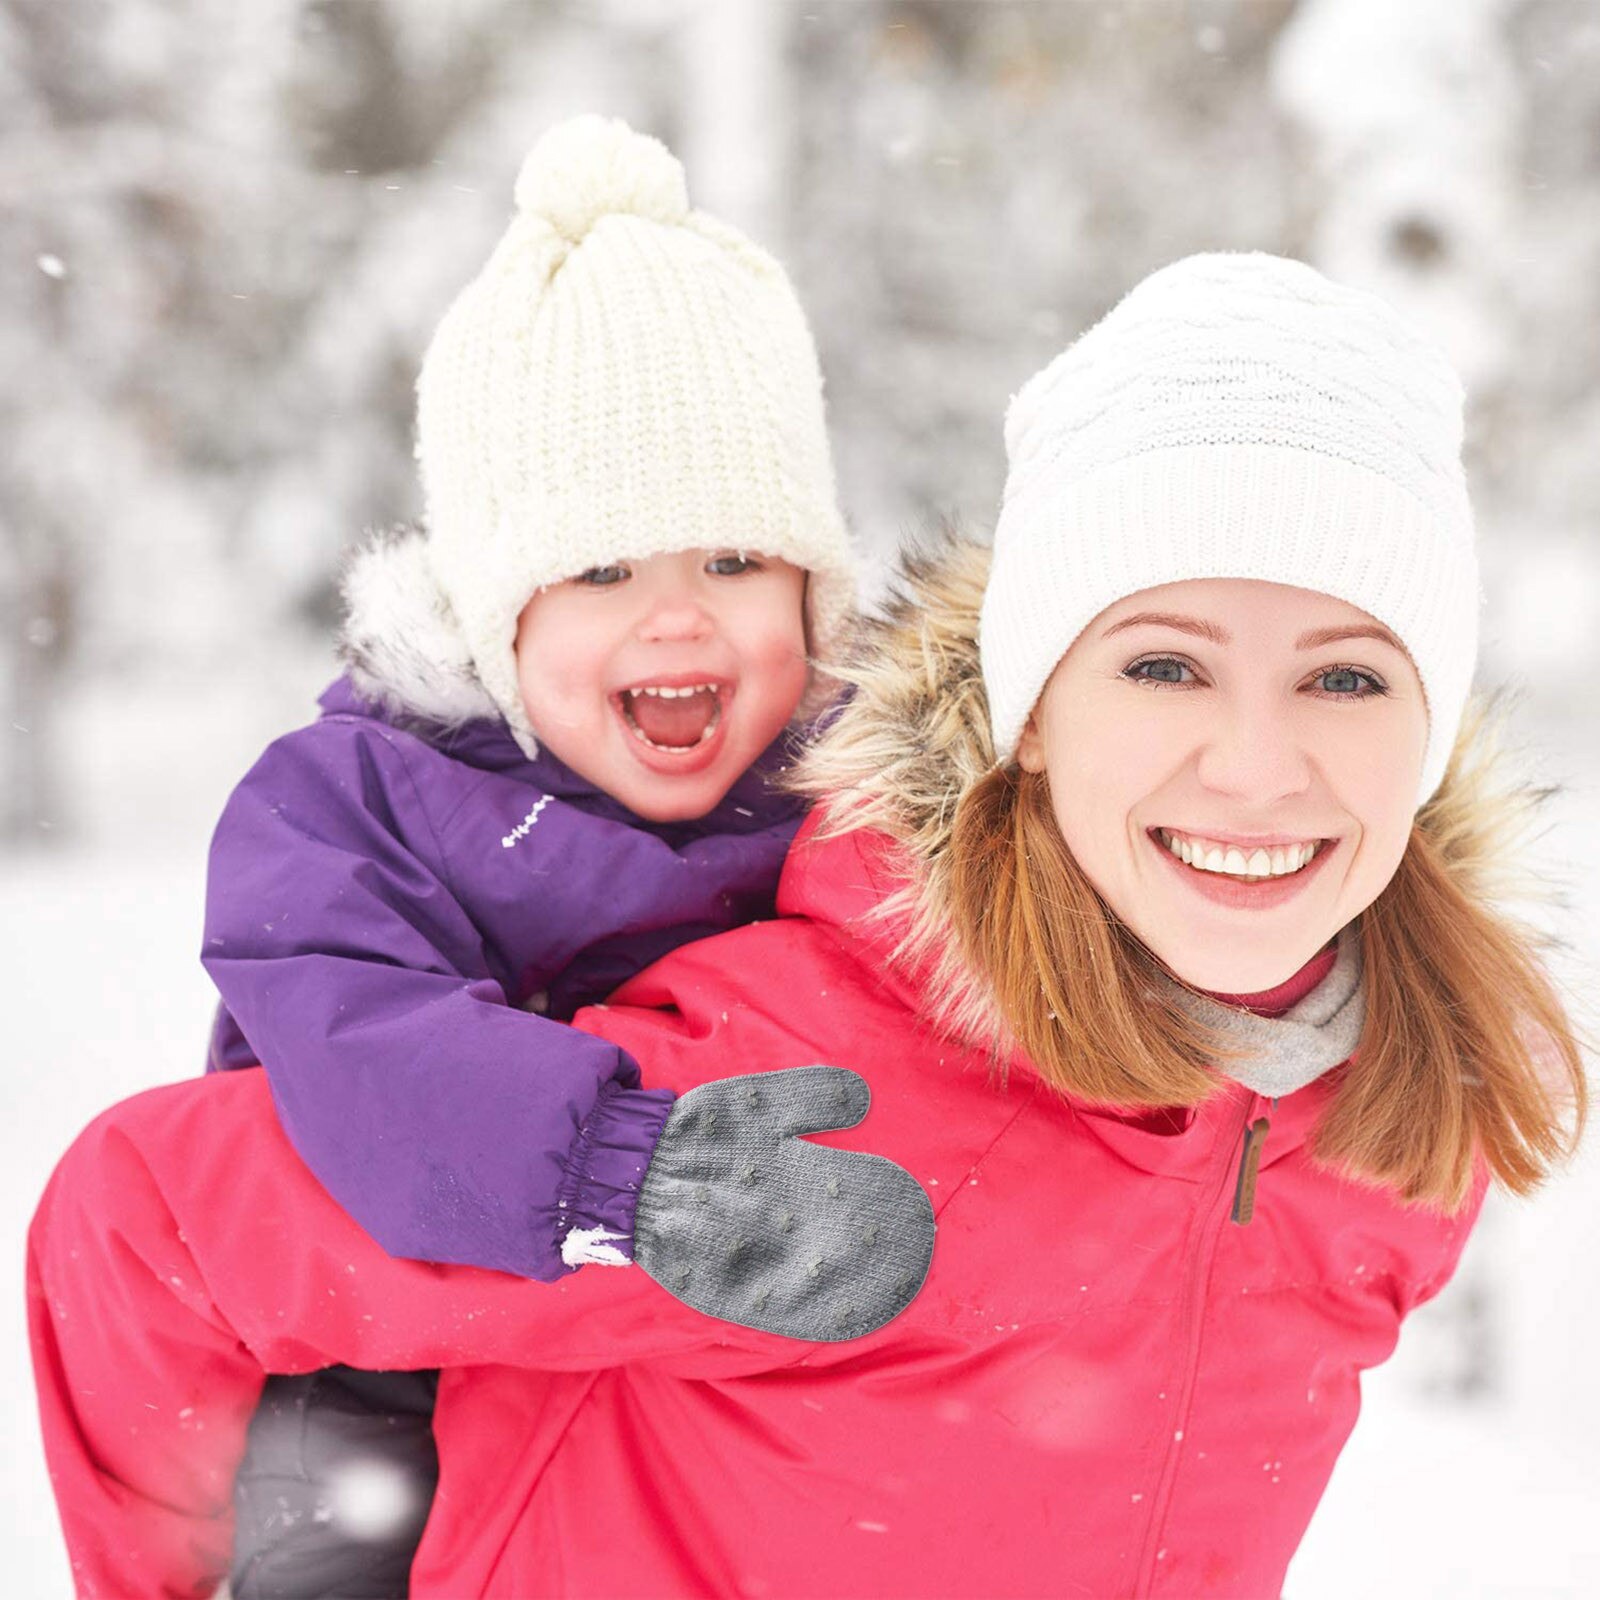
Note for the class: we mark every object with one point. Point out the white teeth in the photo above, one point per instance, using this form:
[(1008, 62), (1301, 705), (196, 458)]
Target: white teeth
[(660, 691), (1230, 860), (671, 749)]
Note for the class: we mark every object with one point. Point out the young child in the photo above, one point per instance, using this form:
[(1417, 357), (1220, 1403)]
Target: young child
[(549, 763)]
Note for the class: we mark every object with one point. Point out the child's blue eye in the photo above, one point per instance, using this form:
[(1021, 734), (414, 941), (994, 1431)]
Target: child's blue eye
[(731, 563), (602, 577)]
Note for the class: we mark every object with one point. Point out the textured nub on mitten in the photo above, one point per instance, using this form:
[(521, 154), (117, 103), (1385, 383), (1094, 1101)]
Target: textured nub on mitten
[(590, 167)]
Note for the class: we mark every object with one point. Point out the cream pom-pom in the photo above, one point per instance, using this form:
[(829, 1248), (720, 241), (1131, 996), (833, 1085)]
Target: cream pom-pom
[(592, 166)]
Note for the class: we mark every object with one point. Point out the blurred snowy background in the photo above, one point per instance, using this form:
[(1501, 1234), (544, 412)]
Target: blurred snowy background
[(227, 230)]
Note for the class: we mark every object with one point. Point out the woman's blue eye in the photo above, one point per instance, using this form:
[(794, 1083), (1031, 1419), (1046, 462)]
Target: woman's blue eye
[(1348, 673), (731, 563), (1353, 678), (602, 577), (1162, 661)]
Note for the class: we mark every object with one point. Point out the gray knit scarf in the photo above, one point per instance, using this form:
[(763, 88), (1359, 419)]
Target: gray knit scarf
[(1313, 1036)]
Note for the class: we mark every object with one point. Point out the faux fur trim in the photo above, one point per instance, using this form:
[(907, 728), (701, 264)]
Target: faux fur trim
[(909, 743), (400, 639), (915, 737)]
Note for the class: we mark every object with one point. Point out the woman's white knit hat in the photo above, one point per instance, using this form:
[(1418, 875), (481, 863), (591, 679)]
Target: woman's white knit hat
[(625, 377), (1237, 416)]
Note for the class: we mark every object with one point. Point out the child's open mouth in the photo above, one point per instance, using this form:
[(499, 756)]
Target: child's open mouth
[(672, 718)]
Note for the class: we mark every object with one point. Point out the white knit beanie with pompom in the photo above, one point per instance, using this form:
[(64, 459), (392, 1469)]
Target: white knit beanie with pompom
[(626, 377), (1237, 416)]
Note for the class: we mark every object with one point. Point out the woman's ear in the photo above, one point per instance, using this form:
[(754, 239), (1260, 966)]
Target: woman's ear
[(1030, 746)]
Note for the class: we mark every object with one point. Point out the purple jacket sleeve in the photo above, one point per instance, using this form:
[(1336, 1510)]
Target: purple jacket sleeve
[(452, 1126)]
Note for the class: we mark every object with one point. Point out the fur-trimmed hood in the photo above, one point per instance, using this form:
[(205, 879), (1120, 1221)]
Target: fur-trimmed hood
[(914, 738), (400, 640)]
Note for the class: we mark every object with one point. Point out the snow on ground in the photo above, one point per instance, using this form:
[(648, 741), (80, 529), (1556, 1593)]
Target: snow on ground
[(1433, 1498)]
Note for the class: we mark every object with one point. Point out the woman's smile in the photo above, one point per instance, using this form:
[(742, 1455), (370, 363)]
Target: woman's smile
[(1257, 893)]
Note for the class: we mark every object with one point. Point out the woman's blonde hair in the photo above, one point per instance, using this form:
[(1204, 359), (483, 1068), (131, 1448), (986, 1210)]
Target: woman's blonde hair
[(1467, 1048)]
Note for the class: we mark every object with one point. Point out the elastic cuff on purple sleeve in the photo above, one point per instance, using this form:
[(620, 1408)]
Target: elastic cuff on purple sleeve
[(599, 1191)]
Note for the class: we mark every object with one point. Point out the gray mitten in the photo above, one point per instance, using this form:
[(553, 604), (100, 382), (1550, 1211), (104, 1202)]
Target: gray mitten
[(742, 1220)]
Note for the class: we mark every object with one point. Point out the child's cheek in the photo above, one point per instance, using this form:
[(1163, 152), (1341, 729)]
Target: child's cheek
[(788, 672)]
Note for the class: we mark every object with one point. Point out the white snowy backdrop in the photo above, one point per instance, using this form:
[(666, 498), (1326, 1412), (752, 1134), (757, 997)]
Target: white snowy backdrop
[(227, 229)]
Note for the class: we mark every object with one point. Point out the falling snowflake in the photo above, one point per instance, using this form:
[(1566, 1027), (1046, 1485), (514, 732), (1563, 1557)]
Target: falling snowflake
[(371, 1500)]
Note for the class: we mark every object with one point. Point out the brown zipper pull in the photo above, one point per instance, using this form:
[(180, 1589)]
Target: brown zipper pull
[(1244, 1194)]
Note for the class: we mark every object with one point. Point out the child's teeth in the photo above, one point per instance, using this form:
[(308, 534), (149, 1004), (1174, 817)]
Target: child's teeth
[(662, 692)]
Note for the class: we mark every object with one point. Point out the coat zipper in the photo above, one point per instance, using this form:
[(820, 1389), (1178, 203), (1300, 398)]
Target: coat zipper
[(1244, 1189), (1244, 1175)]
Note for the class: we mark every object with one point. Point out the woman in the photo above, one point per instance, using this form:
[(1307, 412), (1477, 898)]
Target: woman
[(1198, 1133)]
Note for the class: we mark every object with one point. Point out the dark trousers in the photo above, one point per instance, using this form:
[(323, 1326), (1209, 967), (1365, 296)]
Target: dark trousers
[(335, 1486)]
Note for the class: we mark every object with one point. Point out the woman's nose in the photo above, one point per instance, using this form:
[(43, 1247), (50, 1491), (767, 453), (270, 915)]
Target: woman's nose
[(1255, 753)]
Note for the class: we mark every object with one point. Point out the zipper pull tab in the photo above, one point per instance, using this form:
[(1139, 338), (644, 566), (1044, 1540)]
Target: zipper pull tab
[(1244, 1193)]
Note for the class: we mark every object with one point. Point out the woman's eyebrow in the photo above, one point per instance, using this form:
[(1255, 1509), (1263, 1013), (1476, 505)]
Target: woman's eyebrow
[(1313, 640), (1361, 630)]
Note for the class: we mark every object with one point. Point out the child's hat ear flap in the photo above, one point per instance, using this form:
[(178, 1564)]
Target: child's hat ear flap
[(807, 623)]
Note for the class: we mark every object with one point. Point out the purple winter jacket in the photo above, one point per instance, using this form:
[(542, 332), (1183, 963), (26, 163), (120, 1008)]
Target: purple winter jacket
[(397, 914)]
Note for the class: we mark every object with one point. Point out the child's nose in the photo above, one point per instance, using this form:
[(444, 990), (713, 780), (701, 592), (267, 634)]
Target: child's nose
[(676, 617)]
